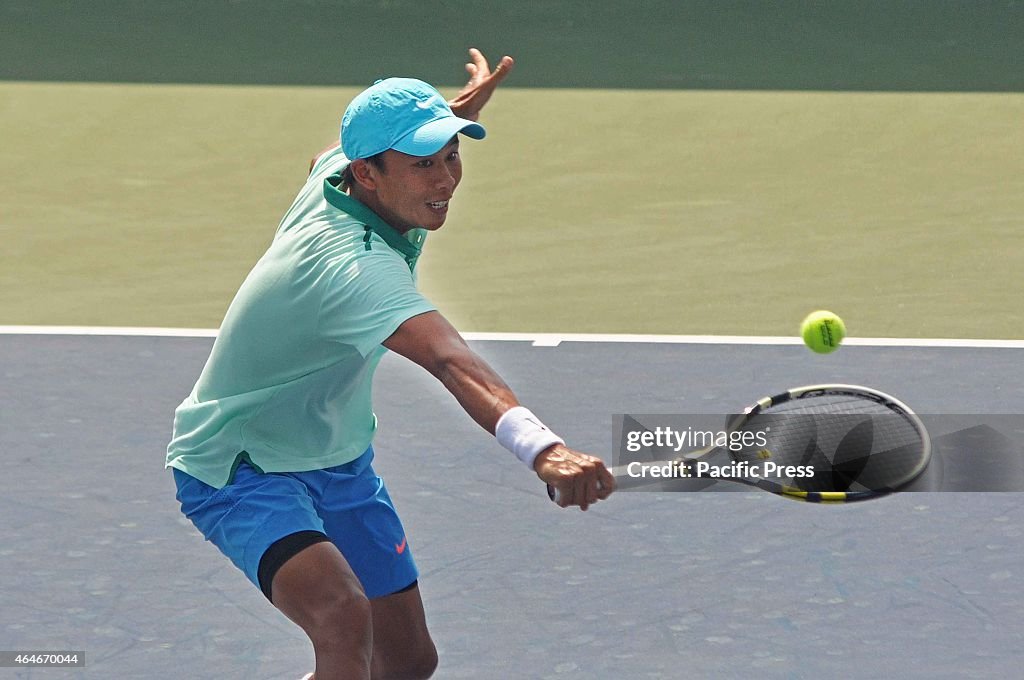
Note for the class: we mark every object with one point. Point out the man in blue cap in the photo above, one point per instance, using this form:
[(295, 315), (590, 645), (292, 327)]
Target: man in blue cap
[(272, 450)]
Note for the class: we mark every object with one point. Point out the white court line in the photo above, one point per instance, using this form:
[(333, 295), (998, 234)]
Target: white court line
[(110, 330), (550, 339)]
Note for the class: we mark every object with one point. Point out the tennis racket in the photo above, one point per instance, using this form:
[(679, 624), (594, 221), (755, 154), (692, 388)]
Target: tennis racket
[(859, 443)]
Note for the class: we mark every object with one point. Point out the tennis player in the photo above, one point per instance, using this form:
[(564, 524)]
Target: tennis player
[(272, 451)]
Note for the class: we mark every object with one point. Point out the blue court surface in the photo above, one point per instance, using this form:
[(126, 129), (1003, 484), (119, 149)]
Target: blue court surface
[(95, 555)]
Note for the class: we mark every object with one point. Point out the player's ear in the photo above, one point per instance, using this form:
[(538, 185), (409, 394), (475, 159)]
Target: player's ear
[(363, 174)]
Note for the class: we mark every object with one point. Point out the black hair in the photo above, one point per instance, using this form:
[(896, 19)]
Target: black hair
[(347, 180)]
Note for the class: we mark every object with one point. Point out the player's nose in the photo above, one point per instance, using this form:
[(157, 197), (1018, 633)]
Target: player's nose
[(446, 179)]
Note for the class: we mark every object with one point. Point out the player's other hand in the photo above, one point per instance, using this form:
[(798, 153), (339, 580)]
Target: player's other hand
[(482, 82), (577, 478)]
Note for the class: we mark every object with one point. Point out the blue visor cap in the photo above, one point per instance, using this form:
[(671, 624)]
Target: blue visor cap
[(403, 114)]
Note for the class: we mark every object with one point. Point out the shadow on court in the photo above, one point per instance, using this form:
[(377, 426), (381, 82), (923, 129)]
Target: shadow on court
[(96, 556)]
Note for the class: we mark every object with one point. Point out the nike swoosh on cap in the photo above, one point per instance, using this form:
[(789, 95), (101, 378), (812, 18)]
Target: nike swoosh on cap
[(430, 103)]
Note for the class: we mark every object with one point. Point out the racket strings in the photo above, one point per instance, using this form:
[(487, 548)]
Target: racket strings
[(850, 443)]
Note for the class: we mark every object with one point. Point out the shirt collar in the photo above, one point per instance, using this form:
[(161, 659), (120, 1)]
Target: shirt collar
[(409, 244)]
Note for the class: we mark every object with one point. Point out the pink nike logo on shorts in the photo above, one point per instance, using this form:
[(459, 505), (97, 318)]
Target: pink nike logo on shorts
[(400, 547)]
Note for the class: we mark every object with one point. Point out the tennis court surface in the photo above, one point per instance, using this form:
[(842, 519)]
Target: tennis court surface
[(96, 556)]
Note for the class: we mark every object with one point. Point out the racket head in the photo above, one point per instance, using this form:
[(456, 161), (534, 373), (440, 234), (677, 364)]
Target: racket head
[(862, 443)]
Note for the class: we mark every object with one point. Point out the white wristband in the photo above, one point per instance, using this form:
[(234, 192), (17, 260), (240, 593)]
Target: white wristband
[(522, 433)]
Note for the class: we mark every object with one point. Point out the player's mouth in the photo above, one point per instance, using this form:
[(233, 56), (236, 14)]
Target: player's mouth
[(438, 205)]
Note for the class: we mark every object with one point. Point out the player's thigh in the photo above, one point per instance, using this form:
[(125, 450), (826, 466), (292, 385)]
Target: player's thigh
[(317, 589)]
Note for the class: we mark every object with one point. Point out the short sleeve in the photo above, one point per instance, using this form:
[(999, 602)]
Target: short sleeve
[(367, 298)]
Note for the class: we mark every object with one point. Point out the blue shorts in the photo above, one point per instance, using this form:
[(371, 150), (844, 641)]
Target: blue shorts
[(348, 503)]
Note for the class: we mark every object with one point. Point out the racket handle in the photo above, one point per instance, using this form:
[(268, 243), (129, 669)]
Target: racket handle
[(556, 496)]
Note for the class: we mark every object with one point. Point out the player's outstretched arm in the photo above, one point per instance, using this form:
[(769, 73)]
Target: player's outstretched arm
[(433, 343)]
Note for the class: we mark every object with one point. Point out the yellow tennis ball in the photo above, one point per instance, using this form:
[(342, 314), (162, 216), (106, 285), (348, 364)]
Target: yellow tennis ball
[(823, 331)]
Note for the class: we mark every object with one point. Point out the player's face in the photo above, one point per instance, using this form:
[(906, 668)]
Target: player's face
[(414, 191)]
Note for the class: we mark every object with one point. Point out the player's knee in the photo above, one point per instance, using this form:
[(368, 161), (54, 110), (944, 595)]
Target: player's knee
[(418, 663), (425, 662), (342, 619)]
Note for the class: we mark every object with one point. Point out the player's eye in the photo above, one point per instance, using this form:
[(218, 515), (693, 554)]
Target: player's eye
[(425, 163)]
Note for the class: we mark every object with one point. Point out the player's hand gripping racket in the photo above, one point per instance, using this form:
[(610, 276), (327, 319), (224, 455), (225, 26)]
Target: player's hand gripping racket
[(858, 443)]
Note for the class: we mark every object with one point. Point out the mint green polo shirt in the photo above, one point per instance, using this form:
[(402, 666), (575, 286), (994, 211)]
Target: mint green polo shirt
[(287, 386)]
